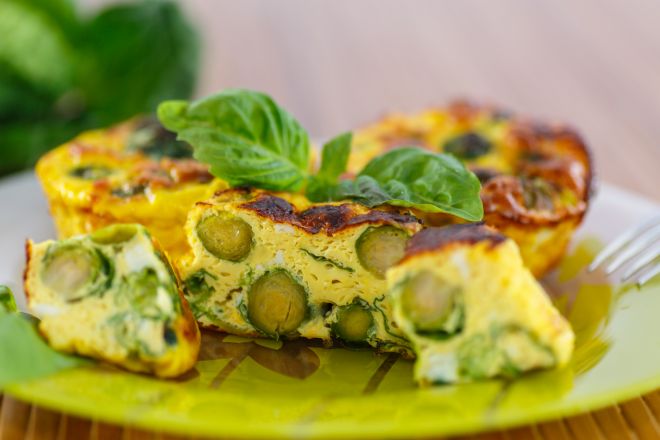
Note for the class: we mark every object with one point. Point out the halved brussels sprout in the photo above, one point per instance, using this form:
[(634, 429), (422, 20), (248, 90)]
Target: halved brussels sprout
[(225, 236), (277, 304), (71, 270), (380, 248), (114, 234), (354, 322), (432, 305)]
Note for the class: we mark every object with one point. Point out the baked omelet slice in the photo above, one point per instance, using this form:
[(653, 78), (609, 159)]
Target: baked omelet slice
[(472, 310), (134, 172), (275, 265), (536, 176), (114, 296)]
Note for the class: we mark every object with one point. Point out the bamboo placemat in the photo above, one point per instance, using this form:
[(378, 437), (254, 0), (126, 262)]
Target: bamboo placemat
[(636, 419)]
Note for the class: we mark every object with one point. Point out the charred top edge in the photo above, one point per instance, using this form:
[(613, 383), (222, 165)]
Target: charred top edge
[(432, 239), (327, 218)]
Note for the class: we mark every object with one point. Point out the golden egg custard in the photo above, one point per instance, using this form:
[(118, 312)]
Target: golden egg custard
[(472, 310), (135, 172), (275, 265), (536, 177), (114, 296)]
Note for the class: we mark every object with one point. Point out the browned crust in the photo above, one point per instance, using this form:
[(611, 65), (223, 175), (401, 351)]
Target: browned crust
[(504, 204), (326, 218), (28, 261), (555, 153), (187, 325), (433, 239)]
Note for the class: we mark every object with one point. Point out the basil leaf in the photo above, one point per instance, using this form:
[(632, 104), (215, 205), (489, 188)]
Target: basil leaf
[(419, 179), (244, 136), (334, 159), (23, 354)]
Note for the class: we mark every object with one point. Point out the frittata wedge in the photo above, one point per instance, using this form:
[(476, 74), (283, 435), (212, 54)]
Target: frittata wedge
[(536, 177), (274, 265), (472, 310), (112, 295), (135, 172)]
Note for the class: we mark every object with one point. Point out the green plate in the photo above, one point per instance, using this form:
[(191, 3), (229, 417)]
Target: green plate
[(244, 389)]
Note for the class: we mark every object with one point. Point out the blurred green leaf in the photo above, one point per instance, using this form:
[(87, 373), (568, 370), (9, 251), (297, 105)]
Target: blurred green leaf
[(145, 52), (60, 74), (34, 46)]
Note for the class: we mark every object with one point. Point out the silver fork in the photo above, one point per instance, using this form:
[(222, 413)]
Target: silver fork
[(637, 248)]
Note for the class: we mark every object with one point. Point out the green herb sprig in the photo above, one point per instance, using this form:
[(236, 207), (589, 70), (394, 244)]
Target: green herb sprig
[(248, 140)]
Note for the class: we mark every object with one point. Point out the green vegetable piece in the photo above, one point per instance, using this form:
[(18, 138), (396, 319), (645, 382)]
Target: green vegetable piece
[(245, 137), (141, 289), (151, 139), (69, 269), (478, 358), (128, 190), (380, 248), (419, 179), (225, 236), (468, 146), (431, 304), (354, 322), (90, 172), (114, 234), (521, 351), (7, 302), (277, 304), (538, 194)]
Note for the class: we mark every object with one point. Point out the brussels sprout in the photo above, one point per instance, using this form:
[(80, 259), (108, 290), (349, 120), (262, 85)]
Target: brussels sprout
[(277, 304), (433, 306), (71, 270), (467, 146), (226, 237), (380, 248), (354, 322), (114, 234)]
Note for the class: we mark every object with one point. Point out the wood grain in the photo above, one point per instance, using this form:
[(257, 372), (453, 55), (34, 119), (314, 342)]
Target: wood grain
[(339, 64)]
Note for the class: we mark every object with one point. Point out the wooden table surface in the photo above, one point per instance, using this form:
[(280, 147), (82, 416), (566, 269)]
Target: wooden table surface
[(339, 64)]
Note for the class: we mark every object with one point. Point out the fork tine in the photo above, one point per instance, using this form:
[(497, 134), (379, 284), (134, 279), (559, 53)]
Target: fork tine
[(633, 248), (641, 264), (620, 242), (646, 277)]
